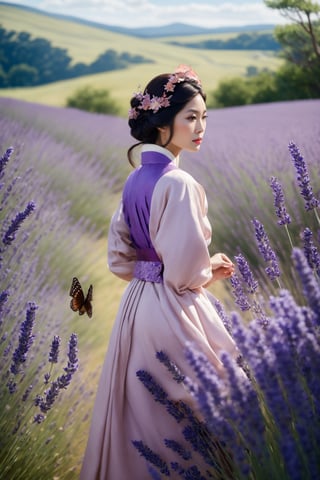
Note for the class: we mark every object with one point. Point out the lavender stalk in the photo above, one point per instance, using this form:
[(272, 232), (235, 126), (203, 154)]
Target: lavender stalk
[(310, 251), (281, 211), (25, 339), (311, 202), (10, 234), (4, 160), (269, 256)]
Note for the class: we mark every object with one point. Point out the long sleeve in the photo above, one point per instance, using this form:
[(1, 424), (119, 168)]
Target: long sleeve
[(180, 231), (121, 254)]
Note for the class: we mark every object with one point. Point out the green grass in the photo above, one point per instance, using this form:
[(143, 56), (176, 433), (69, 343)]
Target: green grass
[(85, 43)]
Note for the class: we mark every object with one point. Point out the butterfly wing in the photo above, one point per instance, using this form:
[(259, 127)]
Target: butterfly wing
[(87, 303), (77, 295), (80, 303)]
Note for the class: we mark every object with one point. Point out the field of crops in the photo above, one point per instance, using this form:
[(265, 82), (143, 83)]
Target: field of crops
[(58, 189)]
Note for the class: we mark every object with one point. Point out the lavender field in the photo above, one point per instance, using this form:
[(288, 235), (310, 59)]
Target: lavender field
[(59, 187)]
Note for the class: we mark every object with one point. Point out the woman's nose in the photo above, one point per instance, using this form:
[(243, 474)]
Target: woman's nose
[(200, 127)]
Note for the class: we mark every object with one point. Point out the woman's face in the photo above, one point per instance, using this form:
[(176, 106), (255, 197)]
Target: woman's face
[(188, 127)]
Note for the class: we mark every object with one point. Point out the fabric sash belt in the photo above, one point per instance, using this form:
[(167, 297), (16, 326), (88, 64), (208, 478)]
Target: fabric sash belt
[(148, 266)]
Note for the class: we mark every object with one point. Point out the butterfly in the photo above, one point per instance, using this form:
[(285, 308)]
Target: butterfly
[(79, 302)]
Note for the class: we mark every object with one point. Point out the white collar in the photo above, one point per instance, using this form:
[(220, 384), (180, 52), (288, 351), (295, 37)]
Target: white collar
[(152, 147)]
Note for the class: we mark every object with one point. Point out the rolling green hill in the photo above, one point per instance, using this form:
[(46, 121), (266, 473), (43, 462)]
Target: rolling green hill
[(85, 43)]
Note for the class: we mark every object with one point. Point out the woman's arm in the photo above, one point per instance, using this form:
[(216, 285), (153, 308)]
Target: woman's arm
[(121, 254), (221, 266)]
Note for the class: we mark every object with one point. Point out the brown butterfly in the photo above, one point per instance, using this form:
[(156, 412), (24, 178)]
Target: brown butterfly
[(79, 302)]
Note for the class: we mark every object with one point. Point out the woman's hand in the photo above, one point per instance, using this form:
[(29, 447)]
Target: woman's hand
[(221, 266)]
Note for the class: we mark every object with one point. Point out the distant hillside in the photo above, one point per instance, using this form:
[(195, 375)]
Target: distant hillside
[(26, 61), (179, 29), (85, 43), (176, 29)]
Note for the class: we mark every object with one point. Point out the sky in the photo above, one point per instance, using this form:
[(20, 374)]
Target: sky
[(141, 13)]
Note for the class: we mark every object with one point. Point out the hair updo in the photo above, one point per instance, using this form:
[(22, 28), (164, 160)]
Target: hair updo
[(144, 125)]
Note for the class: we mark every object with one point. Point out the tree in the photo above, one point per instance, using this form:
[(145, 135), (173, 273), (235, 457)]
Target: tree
[(109, 60), (230, 92), (47, 63), (305, 27), (301, 42), (22, 75), (3, 78), (294, 83)]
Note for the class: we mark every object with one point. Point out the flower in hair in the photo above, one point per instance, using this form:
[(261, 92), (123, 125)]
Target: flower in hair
[(146, 102), (183, 73)]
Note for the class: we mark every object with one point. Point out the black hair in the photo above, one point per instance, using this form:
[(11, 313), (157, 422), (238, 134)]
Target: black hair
[(144, 127)]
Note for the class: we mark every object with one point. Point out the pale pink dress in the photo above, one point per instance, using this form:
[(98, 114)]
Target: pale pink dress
[(153, 317)]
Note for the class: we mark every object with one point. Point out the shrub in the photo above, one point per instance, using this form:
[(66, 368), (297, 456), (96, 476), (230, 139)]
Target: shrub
[(93, 100)]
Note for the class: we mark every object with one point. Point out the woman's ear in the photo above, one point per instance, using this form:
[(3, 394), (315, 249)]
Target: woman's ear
[(164, 134)]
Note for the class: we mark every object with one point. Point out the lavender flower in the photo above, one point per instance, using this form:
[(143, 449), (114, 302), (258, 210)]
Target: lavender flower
[(191, 473), (246, 273), (54, 352), (239, 294), (73, 363), (4, 295), (310, 285), (12, 386), (26, 394), (172, 367), (178, 448), (205, 373), (152, 457), (303, 178), (260, 314), (37, 401), (197, 434), (310, 251), (38, 418), (53, 358), (148, 381), (176, 467), (266, 251), (4, 160), (10, 234), (281, 211), (223, 315), (50, 396), (178, 410), (155, 475), (25, 339)]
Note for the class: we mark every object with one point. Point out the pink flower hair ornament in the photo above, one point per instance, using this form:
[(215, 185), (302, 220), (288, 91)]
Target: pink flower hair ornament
[(182, 74)]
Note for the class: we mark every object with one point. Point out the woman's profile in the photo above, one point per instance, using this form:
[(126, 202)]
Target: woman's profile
[(158, 242)]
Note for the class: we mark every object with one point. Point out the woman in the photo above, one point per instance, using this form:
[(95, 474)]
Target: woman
[(158, 241)]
